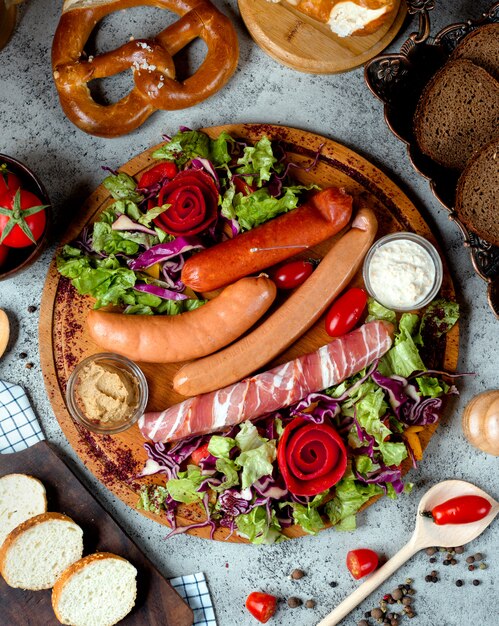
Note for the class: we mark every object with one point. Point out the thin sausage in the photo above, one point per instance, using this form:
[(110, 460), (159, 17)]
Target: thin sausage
[(300, 311), (324, 215), (170, 339)]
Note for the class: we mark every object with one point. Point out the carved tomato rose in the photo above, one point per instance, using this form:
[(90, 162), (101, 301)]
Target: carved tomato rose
[(193, 199), (311, 457)]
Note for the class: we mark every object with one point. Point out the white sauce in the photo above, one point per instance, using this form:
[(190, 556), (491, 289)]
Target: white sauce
[(401, 273)]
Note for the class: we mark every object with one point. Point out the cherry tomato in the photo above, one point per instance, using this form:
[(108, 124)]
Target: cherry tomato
[(242, 186), (3, 254), (22, 218), (345, 312), (461, 510), (361, 562), (8, 180), (261, 605), (291, 275), (168, 169), (200, 454)]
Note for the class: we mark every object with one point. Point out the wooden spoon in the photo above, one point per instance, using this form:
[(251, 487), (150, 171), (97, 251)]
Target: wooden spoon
[(426, 534), (4, 331)]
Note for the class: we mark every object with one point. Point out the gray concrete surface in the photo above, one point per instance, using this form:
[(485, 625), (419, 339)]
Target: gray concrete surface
[(34, 130)]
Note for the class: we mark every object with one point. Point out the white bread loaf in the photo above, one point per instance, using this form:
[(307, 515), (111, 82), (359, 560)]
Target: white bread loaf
[(98, 590), (21, 497), (37, 551)]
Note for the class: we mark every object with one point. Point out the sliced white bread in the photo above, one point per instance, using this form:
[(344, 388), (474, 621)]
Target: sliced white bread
[(98, 590), (21, 497), (37, 551)]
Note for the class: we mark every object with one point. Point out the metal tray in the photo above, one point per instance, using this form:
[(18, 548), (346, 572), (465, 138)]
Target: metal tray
[(398, 80)]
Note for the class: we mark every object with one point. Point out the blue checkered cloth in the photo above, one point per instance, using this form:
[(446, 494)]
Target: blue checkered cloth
[(20, 429)]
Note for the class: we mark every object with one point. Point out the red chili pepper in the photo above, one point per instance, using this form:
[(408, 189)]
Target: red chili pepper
[(261, 605), (361, 562), (159, 172), (345, 312), (460, 510), (311, 457), (193, 199)]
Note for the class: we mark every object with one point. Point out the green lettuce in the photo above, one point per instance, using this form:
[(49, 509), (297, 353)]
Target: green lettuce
[(257, 528), (377, 311), (393, 453), (350, 495), (152, 498), (403, 358), (221, 446), (308, 517), (122, 187), (438, 318), (185, 145), (229, 470), (431, 386), (185, 487), (259, 207), (248, 437), (257, 162), (220, 152), (256, 463)]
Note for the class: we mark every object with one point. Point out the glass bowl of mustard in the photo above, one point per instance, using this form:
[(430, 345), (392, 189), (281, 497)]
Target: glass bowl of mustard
[(107, 393), (403, 271)]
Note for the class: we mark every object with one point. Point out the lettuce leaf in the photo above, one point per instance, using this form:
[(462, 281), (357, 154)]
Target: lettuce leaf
[(393, 453), (229, 470), (220, 153), (403, 358), (256, 463), (438, 318), (185, 487), (152, 498), (259, 207), (257, 162), (349, 497), (248, 437), (221, 446), (185, 145), (122, 187), (377, 311), (369, 410), (431, 386), (257, 528), (308, 517)]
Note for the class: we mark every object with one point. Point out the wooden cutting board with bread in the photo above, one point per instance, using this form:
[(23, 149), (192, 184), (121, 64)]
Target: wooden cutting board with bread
[(34, 481)]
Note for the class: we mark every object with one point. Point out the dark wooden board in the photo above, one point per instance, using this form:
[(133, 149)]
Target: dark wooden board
[(158, 604)]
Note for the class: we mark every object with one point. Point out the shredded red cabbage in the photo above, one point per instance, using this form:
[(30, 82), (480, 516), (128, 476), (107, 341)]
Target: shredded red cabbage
[(165, 251), (161, 292)]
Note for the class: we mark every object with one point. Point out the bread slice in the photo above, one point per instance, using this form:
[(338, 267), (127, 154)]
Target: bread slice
[(98, 590), (457, 114), (478, 193), (482, 48), (21, 497), (37, 551)]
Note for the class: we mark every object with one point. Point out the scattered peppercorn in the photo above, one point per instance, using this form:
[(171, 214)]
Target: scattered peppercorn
[(376, 613), (296, 574), (459, 550), (483, 566), (470, 559), (362, 623), (434, 579), (22, 355), (406, 600), (442, 549), (31, 308), (333, 584), (434, 573), (394, 622), (433, 560), (294, 602), (476, 582), (430, 551), (478, 556), (367, 614), (310, 604), (453, 562), (397, 594), (29, 366), (459, 583), (471, 568), (408, 581), (427, 578), (446, 562)]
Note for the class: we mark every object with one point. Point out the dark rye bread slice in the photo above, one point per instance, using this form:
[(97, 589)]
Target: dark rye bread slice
[(477, 195), (482, 48), (457, 114)]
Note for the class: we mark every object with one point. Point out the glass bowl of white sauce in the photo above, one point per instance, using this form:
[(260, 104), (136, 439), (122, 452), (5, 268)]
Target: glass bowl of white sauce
[(403, 271)]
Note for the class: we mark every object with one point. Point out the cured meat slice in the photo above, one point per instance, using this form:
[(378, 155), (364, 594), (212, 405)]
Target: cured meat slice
[(270, 391)]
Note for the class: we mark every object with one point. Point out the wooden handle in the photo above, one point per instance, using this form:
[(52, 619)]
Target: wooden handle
[(372, 583)]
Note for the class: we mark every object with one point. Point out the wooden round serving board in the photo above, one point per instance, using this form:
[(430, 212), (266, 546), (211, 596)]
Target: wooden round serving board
[(115, 460), (306, 45)]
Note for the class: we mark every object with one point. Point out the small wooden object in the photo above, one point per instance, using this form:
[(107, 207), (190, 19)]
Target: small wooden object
[(157, 604), (426, 534), (481, 422), (306, 45), (4, 331), (65, 341)]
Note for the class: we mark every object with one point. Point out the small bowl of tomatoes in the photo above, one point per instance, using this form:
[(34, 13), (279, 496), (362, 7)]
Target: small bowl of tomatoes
[(24, 217)]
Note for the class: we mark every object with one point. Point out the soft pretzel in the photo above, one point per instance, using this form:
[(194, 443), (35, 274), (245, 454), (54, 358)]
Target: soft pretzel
[(150, 61), (347, 17)]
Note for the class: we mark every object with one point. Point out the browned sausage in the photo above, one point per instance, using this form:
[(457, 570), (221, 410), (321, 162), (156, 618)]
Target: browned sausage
[(300, 311), (170, 339), (324, 215)]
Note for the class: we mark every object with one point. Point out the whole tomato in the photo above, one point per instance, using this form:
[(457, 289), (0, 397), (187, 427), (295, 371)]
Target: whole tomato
[(291, 275), (460, 510), (261, 605), (361, 562), (346, 312), (3, 254), (22, 218)]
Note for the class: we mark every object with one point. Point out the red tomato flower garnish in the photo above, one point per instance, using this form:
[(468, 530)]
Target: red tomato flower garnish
[(22, 218), (311, 457), (193, 199), (261, 605), (361, 562)]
